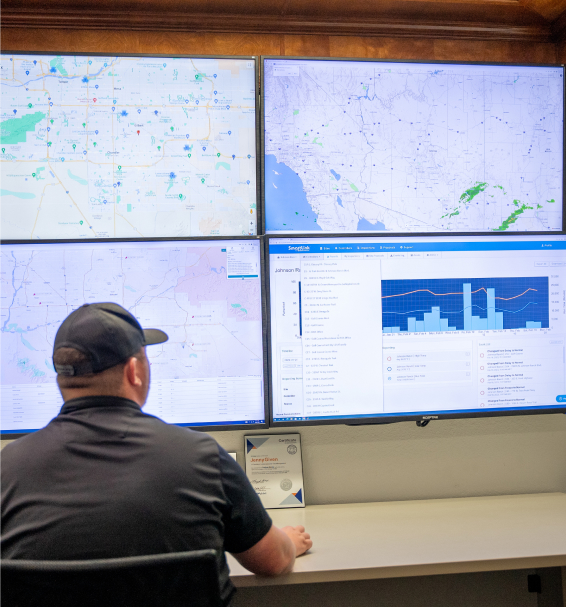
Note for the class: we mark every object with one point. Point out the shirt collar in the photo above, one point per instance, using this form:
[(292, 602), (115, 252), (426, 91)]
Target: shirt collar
[(89, 402)]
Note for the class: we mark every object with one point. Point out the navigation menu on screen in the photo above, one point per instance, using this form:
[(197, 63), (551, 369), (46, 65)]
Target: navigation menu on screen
[(206, 295), (369, 327)]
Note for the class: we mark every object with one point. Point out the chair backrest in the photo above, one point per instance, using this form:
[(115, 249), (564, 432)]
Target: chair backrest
[(181, 579)]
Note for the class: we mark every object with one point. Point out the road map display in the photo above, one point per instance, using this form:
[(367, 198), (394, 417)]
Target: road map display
[(120, 147), (206, 295), (354, 146)]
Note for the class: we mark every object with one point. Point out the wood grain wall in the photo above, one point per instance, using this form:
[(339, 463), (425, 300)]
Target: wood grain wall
[(65, 40)]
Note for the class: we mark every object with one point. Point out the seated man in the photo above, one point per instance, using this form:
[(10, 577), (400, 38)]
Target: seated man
[(103, 479)]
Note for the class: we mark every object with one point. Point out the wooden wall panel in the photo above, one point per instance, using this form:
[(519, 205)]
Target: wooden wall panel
[(65, 40)]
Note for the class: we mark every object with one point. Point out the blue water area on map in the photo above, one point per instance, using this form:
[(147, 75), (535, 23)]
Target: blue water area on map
[(26, 343), (77, 179), (365, 226), (336, 176), (24, 195), (286, 206), (339, 200)]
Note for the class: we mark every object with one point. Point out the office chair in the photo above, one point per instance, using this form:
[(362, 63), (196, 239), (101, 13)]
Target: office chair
[(182, 579)]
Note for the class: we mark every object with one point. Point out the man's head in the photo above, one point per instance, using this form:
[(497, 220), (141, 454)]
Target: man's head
[(100, 350)]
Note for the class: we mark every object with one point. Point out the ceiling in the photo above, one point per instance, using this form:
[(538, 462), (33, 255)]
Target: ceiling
[(528, 20)]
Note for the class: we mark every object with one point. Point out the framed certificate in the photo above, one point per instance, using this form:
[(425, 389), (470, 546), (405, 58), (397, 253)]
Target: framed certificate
[(275, 468)]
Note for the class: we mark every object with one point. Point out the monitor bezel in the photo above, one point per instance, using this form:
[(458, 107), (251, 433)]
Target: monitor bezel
[(389, 419), (264, 58), (6, 435), (254, 58)]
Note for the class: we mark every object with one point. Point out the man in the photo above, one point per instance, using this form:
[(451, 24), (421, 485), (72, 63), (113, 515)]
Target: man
[(103, 479)]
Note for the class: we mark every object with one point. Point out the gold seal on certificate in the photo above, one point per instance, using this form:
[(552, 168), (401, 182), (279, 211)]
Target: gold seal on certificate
[(275, 469)]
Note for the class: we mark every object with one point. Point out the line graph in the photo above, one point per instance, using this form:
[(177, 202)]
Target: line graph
[(464, 304)]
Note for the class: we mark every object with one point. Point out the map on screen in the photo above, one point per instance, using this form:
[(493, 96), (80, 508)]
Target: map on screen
[(206, 295), (356, 146), (99, 147)]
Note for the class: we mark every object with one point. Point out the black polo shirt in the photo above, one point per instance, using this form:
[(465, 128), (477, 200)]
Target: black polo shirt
[(103, 479)]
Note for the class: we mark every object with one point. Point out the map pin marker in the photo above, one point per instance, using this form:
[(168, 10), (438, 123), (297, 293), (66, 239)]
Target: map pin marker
[(229, 132), (33, 174), (96, 86), (159, 147), (187, 135), (180, 197), (204, 149), (49, 144), (233, 156), (248, 182), (139, 111), (215, 92), (214, 75), (74, 145), (197, 101), (81, 222), (34, 62), (189, 155), (216, 101), (62, 160), (27, 73), (202, 180), (113, 108), (29, 105), (94, 99), (119, 167), (96, 132), (15, 111), (249, 156), (227, 107), (218, 154), (48, 129), (3, 150)]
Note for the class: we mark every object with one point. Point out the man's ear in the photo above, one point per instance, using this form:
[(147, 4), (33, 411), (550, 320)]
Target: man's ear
[(132, 371)]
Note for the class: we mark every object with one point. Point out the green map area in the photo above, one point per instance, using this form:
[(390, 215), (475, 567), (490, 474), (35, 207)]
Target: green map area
[(15, 130)]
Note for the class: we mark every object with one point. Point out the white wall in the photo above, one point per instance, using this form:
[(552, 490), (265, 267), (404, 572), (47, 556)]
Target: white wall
[(451, 458)]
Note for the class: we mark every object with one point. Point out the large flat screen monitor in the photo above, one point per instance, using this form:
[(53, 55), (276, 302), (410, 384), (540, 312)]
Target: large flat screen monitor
[(368, 329), (366, 146), (205, 294), (107, 146)]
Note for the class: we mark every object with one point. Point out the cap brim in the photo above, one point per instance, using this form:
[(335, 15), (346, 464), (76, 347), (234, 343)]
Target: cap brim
[(154, 336)]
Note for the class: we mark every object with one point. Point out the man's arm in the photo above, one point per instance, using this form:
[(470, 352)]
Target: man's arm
[(275, 553)]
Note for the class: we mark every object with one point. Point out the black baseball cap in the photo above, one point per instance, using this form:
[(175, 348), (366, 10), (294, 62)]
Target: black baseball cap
[(106, 333)]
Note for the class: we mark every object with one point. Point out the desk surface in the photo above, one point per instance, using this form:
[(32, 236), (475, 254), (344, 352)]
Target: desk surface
[(424, 537)]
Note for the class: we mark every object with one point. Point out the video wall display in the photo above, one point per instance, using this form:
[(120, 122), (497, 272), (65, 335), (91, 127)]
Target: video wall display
[(127, 146), (369, 328), (369, 146), (205, 294)]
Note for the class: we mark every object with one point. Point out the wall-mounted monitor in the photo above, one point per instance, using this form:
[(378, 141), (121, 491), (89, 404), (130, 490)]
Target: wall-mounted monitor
[(107, 146), (369, 329), (373, 146), (205, 294)]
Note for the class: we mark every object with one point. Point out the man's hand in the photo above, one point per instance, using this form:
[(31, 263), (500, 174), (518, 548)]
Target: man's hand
[(275, 553), (300, 538)]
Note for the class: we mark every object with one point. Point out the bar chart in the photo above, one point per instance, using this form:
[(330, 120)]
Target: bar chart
[(464, 304)]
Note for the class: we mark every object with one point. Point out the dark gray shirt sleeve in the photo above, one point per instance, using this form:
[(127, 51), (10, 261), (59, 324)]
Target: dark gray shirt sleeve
[(246, 520)]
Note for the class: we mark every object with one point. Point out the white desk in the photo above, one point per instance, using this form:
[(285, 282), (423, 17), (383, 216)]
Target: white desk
[(426, 537)]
